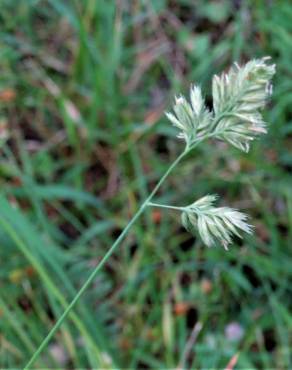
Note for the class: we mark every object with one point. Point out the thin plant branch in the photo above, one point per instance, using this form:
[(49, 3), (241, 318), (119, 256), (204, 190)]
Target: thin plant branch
[(150, 204)]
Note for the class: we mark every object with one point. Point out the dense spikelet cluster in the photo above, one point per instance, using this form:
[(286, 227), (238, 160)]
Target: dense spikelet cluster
[(214, 224), (193, 119), (238, 97)]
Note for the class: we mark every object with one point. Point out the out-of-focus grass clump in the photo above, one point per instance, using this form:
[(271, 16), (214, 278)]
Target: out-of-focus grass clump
[(83, 90)]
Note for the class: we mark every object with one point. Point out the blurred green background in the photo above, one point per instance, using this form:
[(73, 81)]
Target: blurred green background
[(83, 90)]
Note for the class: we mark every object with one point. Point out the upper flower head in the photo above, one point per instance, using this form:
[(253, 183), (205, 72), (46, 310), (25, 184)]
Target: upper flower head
[(238, 97)]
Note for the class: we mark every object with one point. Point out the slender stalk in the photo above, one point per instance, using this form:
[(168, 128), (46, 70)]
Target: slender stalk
[(103, 261), (150, 204)]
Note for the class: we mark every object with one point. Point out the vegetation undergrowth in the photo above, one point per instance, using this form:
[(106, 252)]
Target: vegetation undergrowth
[(85, 138)]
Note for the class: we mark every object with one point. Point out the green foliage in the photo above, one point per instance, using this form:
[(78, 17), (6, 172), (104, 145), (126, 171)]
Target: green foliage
[(75, 168)]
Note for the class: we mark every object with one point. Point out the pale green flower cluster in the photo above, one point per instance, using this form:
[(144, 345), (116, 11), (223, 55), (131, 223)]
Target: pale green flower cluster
[(214, 224), (192, 119), (238, 98)]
